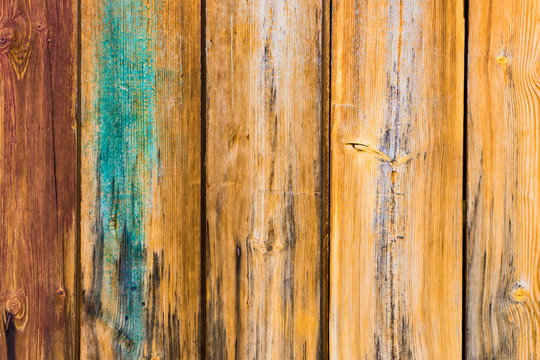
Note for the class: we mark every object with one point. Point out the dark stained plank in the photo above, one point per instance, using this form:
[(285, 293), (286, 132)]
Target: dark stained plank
[(38, 179), (141, 179), (503, 226), (263, 188), (396, 179)]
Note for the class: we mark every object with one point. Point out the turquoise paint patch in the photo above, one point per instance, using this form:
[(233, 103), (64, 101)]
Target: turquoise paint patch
[(125, 106)]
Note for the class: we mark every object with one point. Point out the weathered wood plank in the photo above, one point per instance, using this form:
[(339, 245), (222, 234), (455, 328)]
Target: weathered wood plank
[(503, 180), (38, 179), (263, 178), (396, 179), (141, 178)]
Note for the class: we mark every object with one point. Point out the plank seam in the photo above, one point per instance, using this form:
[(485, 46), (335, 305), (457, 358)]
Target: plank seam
[(203, 221), (326, 73), (464, 181), (78, 231)]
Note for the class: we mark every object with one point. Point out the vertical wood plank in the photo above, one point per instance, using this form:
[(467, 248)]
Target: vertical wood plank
[(38, 179), (263, 188), (396, 179), (503, 180), (141, 179)]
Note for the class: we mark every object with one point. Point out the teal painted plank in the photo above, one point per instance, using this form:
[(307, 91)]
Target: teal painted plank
[(141, 179), (125, 108)]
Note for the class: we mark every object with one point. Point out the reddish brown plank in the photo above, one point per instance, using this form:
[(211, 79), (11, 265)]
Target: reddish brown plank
[(38, 178)]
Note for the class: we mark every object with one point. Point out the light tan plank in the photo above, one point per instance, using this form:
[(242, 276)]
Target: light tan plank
[(396, 179)]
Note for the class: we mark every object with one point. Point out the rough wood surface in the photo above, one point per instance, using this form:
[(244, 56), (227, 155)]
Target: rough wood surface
[(38, 179), (396, 179), (38, 156), (263, 179), (503, 180), (141, 179)]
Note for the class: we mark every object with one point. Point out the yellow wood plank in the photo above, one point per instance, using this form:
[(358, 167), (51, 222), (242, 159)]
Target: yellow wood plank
[(396, 179), (141, 179), (503, 180), (263, 190)]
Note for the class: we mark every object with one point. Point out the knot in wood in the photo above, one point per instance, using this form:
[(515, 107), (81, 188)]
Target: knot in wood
[(15, 309), (16, 39), (502, 60), (378, 154), (260, 247), (14, 306), (60, 293), (39, 25), (519, 295), (6, 38)]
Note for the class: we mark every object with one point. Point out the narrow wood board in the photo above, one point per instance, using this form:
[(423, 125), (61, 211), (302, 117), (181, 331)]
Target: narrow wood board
[(141, 179), (503, 226), (396, 179), (38, 179), (263, 188)]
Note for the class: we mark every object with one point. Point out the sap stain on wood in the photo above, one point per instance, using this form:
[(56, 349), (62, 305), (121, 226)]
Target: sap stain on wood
[(392, 338)]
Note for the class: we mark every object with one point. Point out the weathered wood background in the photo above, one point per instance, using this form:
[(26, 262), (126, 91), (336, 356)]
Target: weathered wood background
[(269, 179)]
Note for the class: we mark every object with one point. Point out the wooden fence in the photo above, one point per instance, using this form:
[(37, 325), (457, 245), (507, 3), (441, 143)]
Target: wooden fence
[(270, 179)]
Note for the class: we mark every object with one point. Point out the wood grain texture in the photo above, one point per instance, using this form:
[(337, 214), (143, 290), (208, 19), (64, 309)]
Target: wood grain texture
[(503, 283), (141, 179), (396, 179), (38, 180), (263, 165)]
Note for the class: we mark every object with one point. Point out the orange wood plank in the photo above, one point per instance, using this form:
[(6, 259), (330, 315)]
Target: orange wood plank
[(263, 190), (503, 184)]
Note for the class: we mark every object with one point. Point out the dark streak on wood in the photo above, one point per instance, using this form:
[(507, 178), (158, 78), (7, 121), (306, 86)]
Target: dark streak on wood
[(478, 266), (10, 332), (238, 307), (324, 207), (393, 336)]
